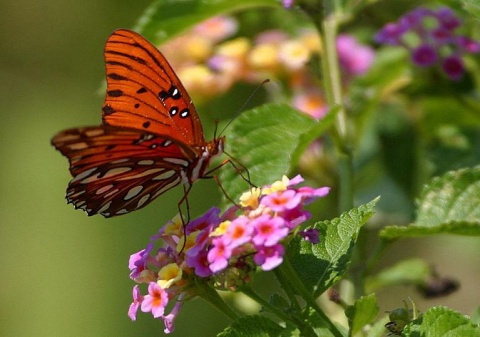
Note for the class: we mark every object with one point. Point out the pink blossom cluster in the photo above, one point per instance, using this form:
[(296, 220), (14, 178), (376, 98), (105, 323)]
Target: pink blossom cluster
[(221, 249), (431, 37), (210, 59)]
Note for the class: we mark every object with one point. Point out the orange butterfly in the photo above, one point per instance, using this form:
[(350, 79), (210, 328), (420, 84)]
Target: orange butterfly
[(151, 138)]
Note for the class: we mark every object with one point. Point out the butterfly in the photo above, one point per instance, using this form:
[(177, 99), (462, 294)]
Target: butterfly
[(150, 140)]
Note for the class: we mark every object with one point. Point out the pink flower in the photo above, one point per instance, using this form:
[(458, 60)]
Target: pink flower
[(354, 57), (137, 300), (168, 320), (239, 232), (268, 231), (155, 301), (218, 256), (269, 257), (309, 194), (280, 201)]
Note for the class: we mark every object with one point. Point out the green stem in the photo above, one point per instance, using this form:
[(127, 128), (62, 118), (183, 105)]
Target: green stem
[(289, 274), (254, 296), (210, 295), (327, 23)]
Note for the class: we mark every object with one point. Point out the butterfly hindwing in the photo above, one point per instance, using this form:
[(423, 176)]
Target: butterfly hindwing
[(116, 171), (144, 93)]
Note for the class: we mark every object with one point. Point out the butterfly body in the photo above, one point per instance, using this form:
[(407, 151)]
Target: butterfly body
[(151, 138)]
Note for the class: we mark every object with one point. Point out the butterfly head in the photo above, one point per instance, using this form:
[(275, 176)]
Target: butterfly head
[(216, 146)]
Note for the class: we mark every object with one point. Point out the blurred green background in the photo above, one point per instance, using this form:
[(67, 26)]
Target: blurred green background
[(63, 273)]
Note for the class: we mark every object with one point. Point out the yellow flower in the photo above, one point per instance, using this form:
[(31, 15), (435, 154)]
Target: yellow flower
[(168, 275), (278, 186), (174, 226), (236, 48), (294, 54), (264, 57), (250, 198), (198, 48), (221, 229)]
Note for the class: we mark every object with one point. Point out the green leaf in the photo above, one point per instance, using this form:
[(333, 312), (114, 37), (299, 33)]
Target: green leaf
[(473, 6), (318, 325), (412, 271), (363, 312), (322, 265), (449, 204), (252, 326), (165, 19), (264, 140), (442, 322)]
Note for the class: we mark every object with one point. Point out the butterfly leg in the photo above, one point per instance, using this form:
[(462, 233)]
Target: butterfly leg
[(184, 199), (237, 165)]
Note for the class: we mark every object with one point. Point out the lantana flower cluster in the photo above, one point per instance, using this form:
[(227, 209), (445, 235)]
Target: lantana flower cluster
[(221, 250), (431, 37), (210, 59)]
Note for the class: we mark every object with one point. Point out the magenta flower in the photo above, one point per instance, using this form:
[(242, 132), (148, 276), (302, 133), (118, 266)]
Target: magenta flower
[(269, 257), (168, 320), (239, 232), (268, 231), (355, 58), (281, 201), (218, 255), (156, 300), (137, 300), (224, 250), (199, 262)]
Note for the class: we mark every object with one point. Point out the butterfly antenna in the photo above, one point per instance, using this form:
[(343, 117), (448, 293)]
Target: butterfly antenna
[(243, 106)]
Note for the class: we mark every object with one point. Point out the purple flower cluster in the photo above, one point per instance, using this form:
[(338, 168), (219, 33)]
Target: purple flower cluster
[(224, 249), (430, 37)]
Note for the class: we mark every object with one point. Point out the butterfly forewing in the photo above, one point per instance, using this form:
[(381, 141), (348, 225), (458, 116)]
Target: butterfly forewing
[(151, 138), (116, 171), (144, 93)]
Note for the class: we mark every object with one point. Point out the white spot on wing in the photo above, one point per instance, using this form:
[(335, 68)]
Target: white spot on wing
[(146, 162), (164, 175), (142, 174), (177, 161), (84, 174), (166, 188), (103, 189), (111, 193), (117, 170), (105, 207), (143, 200), (133, 192)]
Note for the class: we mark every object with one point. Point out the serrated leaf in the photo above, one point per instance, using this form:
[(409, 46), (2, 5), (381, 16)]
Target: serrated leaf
[(263, 140), (252, 326), (412, 271), (165, 19), (449, 204), (442, 322), (322, 265), (361, 313)]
